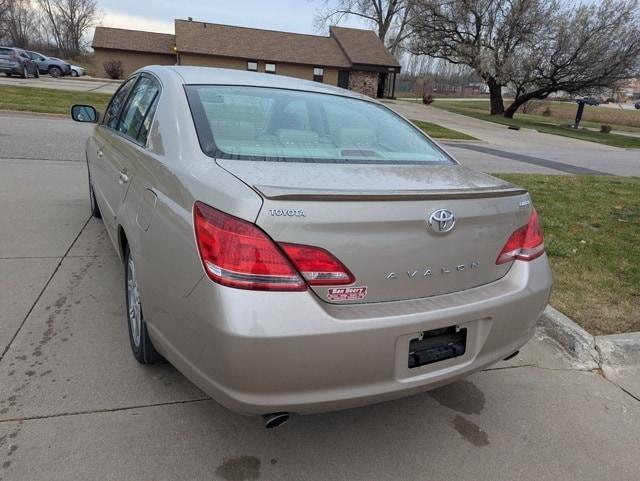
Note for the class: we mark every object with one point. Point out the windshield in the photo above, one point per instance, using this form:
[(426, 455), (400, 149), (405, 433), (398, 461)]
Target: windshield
[(255, 123)]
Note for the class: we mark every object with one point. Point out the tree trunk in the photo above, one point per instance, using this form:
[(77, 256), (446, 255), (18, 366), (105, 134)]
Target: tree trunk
[(519, 100), (495, 96)]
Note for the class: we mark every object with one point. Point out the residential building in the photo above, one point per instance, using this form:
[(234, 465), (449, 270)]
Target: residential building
[(350, 58)]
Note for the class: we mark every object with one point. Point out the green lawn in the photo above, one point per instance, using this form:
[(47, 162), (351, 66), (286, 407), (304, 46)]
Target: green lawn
[(438, 132), (550, 125), (592, 236), (34, 99)]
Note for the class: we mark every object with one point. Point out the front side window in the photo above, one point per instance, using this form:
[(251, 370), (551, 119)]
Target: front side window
[(252, 66), (270, 67), (141, 99), (255, 123), (117, 101)]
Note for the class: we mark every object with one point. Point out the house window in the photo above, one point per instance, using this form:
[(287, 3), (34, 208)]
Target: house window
[(318, 74), (270, 67), (252, 66)]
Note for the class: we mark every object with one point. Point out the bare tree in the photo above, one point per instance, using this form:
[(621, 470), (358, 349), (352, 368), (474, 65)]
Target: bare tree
[(68, 21), (487, 35), (4, 13), (536, 47), (589, 49), (18, 22), (390, 17)]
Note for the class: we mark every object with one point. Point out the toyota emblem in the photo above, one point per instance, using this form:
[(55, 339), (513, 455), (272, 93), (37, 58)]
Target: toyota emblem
[(442, 221)]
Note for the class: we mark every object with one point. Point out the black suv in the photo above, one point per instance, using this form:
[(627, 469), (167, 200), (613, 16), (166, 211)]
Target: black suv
[(15, 61)]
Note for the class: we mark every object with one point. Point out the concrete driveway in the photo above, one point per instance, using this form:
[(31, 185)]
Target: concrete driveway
[(74, 405)]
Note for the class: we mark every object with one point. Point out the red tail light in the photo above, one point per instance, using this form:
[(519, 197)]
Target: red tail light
[(525, 244), (238, 254), (318, 266)]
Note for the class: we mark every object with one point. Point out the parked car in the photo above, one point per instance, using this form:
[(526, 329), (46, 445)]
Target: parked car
[(51, 65), (15, 61), (76, 71), (292, 247), (593, 101)]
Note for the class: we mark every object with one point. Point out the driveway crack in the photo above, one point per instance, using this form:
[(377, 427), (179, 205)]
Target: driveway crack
[(104, 410), (44, 288)]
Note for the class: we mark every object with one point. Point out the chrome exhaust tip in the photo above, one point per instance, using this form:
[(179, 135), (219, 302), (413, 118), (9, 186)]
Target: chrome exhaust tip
[(274, 420)]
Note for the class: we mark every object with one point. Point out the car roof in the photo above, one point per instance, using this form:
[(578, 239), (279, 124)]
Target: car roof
[(224, 76)]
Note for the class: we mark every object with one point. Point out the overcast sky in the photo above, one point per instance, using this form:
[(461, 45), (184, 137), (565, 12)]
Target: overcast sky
[(158, 15)]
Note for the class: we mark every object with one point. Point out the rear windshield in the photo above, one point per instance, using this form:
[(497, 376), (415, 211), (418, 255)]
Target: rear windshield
[(256, 123)]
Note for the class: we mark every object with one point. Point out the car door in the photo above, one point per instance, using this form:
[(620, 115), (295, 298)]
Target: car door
[(39, 60), (104, 168), (125, 144)]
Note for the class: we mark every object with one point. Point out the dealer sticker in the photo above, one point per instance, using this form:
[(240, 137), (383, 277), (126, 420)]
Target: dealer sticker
[(347, 293)]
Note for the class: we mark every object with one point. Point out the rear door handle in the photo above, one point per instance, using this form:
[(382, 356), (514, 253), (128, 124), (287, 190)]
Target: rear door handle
[(124, 178)]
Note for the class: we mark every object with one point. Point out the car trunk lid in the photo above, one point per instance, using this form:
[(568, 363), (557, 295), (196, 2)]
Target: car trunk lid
[(375, 220)]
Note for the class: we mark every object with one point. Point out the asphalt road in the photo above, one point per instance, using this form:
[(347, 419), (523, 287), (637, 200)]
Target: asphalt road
[(526, 150), (74, 405), (64, 83)]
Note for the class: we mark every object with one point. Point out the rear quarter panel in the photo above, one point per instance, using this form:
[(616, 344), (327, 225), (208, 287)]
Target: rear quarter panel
[(159, 226)]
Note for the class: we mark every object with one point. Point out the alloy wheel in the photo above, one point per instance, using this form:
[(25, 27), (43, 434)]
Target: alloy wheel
[(134, 307)]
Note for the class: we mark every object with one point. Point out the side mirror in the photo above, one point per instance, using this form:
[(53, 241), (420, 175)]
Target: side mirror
[(84, 113)]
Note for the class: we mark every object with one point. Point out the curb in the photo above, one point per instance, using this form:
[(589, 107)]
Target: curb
[(459, 141), (619, 350), (578, 342), (605, 352)]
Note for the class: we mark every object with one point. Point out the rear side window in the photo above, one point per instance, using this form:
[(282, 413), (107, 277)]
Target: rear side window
[(117, 101), (256, 123), (140, 106)]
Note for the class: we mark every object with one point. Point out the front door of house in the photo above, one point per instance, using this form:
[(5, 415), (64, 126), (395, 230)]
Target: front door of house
[(343, 79)]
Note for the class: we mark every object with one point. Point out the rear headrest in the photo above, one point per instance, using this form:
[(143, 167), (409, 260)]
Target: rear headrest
[(353, 137), (233, 130), (297, 136)]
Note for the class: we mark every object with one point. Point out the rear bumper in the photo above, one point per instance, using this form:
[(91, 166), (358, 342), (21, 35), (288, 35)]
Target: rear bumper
[(262, 352), (11, 68)]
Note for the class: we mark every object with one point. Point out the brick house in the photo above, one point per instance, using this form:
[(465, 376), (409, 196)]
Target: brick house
[(348, 57)]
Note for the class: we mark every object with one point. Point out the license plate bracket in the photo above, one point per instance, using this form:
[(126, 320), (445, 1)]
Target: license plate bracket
[(437, 345)]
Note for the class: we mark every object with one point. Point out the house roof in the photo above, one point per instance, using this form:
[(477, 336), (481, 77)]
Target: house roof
[(257, 44), (343, 48), (136, 40), (363, 47)]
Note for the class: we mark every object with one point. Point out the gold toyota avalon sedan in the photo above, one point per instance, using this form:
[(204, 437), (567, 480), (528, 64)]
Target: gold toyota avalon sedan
[(292, 247)]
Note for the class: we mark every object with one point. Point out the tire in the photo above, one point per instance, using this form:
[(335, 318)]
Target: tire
[(25, 72), (74, 73), (55, 72), (141, 345), (95, 210)]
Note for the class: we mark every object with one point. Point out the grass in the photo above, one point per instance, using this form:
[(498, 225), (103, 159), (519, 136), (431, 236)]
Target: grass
[(438, 132), (550, 125), (35, 99), (592, 236)]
